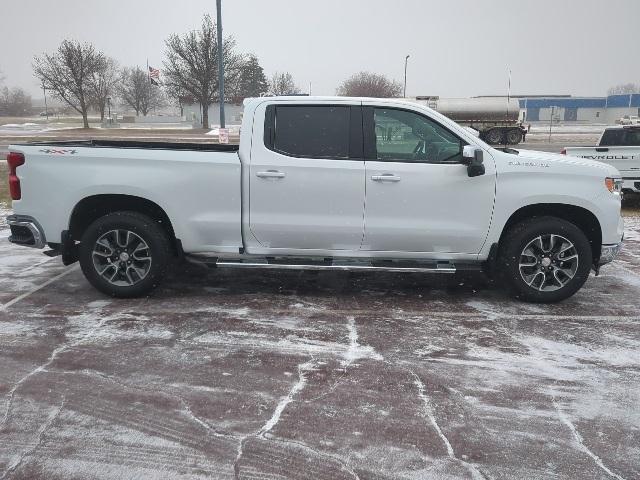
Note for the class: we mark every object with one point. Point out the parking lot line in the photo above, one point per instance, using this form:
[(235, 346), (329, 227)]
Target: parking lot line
[(34, 290)]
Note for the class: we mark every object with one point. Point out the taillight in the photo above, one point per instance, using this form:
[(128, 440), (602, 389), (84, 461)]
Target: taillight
[(563, 151), (14, 160)]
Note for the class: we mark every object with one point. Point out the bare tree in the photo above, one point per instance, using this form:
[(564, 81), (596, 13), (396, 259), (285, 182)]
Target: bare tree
[(68, 74), (367, 84), (624, 88), (14, 102), (103, 84), (191, 66), (282, 84), (137, 92)]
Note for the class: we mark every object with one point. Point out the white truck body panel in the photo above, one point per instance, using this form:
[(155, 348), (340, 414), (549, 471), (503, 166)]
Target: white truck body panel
[(217, 204), (199, 191)]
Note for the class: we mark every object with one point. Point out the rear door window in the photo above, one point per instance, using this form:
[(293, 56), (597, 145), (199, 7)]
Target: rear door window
[(312, 131), (612, 137)]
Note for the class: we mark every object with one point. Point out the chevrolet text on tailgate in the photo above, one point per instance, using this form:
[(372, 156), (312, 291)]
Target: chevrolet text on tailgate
[(320, 183)]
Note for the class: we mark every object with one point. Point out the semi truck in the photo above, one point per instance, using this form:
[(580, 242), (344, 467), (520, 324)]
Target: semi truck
[(497, 119)]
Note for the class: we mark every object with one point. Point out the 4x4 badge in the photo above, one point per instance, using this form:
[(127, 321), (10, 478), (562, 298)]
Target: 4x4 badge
[(57, 151)]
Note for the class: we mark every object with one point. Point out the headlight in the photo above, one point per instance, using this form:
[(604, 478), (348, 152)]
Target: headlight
[(614, 185)]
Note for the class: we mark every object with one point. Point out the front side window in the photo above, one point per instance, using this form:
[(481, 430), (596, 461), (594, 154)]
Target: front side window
[(405, 136), (312, 131)]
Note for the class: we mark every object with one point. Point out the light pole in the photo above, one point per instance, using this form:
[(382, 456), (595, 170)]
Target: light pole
[(220, 62), (46, 110), (109, 105), (404, 94)]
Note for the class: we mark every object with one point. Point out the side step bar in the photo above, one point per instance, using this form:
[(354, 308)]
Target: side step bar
[(336, 264)]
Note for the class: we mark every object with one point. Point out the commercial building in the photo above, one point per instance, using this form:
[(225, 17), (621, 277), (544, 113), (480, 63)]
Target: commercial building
[(566, 108)]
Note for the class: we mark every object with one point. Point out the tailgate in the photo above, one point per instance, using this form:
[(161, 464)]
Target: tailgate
[(625, 159)]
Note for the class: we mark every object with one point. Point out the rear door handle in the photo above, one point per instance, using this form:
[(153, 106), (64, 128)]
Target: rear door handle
[(601, 149), (387, 177), (271, 174)]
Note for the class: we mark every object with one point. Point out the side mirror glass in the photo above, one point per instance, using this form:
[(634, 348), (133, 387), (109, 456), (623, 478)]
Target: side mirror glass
[(472, 157)]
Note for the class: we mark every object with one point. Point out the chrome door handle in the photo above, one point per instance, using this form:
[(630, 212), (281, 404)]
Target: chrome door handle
[(387, 177), (271, 174)]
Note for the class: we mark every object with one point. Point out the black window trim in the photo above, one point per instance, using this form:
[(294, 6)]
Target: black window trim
[(356, 142), (370, 149)]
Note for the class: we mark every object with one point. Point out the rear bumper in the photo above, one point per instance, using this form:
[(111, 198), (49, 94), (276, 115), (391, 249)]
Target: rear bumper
[(26, 231)]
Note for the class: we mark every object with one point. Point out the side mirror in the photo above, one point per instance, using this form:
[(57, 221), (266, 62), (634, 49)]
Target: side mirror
[(472, 157)]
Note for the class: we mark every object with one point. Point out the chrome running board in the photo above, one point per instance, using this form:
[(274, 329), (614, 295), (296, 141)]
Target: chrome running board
[(331, 264)]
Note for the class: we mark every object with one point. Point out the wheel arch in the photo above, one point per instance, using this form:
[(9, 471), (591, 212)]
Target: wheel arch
[(90, 208), (584, 219)]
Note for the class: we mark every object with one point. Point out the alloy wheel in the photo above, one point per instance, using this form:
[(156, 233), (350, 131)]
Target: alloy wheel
[(121, 257), (548, 262)]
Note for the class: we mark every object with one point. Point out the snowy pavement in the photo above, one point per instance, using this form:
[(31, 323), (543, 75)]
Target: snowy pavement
[(248, 374)]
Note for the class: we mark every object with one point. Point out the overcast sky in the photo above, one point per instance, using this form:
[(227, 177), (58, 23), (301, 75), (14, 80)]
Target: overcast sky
[(457, 47)]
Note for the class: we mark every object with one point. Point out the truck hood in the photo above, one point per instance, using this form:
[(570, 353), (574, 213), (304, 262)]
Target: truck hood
[(568, 161)]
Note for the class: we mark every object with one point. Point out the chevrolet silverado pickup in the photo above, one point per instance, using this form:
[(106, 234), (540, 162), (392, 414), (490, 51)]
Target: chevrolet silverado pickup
[(320, 183), (620, 147)]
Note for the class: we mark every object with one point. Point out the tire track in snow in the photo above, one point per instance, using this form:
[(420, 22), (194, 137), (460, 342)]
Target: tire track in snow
[(52, 418), (54, 354), (580, 441), (428, 410)]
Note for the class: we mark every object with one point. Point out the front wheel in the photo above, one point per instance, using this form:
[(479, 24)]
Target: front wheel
[(544, 259), (124, 254), (494, 136)]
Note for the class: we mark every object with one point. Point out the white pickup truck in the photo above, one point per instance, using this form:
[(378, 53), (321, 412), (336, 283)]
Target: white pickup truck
[(320, 183), (620, 147)]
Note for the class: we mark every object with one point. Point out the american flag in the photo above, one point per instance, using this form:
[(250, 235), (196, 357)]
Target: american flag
[(154, 76)]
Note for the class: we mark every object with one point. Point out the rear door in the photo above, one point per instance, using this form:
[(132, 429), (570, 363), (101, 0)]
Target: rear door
[(419, 196), (307, 177)]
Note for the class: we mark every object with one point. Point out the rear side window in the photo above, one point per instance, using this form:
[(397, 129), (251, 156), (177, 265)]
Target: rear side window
[(612, 137), (312, 131)]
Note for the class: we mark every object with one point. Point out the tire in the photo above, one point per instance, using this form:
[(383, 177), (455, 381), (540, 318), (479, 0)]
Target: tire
[(514, 136), (494, 136), (535, 259), (129, 247)]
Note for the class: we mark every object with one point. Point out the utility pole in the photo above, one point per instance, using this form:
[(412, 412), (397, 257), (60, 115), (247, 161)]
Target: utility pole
[(404, 94), (220, 62)]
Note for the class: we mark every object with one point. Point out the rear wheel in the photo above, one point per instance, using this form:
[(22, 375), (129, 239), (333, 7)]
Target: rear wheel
[(514, 136), (544, 259), (494, 136), (124, 254)]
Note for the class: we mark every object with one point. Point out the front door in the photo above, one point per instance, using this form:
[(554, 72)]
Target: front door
[(419, 197), (306, 187)]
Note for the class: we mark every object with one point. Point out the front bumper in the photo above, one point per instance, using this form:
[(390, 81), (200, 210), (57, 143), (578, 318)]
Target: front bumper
[(609, 253), (26, 231)]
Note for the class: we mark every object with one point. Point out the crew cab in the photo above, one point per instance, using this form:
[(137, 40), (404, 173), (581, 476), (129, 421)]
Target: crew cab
[(618, 146), (320, 183)]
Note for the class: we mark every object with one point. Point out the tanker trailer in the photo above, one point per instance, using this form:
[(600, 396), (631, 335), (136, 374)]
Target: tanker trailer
[(497, 119)]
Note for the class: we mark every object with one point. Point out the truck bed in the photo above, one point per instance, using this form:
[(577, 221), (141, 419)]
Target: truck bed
[(199, 147)]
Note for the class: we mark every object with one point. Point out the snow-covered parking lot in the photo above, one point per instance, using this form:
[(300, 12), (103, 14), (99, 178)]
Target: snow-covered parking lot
[(249, 374)]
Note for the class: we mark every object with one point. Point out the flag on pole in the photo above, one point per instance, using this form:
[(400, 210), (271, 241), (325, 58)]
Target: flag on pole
[(154, 76)]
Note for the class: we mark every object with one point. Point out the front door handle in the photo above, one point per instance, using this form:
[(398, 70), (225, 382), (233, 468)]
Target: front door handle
[(271, 174), (387, 177)]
